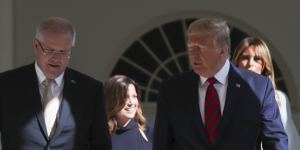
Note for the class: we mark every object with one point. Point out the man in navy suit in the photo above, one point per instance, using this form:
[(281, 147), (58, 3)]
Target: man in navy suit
[(76, 103), (216, 106)]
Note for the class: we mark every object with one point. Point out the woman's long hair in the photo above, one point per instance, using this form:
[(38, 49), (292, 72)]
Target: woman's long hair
[(115, 92), (263, 51)]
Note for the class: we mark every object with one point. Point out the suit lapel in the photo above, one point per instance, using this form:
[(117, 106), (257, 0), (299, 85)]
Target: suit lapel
[(232, 95), (69, 96), (35, 98), (195, 111), (69, 93)]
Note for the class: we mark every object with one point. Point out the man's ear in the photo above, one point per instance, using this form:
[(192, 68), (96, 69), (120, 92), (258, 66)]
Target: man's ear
[(34, 46), (224, 51), (34, 43)]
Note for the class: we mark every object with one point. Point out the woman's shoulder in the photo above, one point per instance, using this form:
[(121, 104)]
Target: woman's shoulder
[(282, 97), (149, 128), (280, 93), (149, 131)]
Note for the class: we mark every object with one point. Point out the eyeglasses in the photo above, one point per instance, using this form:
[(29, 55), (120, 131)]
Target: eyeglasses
[(51, 52)]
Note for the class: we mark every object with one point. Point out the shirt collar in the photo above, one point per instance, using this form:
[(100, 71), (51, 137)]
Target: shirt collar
[(221, 75), (41, 76)]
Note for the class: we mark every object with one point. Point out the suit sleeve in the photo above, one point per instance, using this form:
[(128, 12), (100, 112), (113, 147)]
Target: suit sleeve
[(99, 134), (162, 134), (273, 134)]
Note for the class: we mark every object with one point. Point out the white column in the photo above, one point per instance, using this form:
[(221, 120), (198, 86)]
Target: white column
[(6, 35)]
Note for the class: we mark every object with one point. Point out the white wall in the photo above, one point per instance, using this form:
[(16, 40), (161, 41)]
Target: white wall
[(106, 28), (6, 35)]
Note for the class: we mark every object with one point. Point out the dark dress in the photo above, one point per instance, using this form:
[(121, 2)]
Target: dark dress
[(130, 138)]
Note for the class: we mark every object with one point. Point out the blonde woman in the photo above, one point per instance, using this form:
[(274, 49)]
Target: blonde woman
[(127, 125), (253, 54)]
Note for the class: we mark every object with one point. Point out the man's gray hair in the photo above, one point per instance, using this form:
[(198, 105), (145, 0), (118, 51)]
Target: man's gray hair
[(215, 27), (58, 25)]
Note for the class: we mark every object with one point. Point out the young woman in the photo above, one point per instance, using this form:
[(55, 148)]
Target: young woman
[(253, 54), (126, 122)]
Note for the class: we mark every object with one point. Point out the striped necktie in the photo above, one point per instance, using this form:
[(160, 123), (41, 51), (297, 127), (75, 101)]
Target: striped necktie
[(212, 111), (50, 106)]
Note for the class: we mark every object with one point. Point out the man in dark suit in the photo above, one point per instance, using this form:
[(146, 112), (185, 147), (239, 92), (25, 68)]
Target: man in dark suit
[(72, 118), (216, 106)]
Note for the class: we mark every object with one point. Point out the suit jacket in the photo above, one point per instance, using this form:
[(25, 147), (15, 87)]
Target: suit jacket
[(82, 123), (250, 115)]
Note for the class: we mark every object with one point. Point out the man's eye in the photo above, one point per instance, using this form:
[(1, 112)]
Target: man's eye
[(49, 50), (61, 52), (197, 48)]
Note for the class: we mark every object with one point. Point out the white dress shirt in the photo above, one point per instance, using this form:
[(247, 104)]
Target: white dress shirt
[(51, 110), (221, 86), (55, 88)]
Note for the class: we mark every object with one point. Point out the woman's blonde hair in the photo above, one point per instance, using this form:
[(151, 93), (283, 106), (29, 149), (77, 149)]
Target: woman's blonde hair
[(115, 92), (263, 51)]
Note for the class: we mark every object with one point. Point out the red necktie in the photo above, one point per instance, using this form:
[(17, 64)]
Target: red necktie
[(212, 111)]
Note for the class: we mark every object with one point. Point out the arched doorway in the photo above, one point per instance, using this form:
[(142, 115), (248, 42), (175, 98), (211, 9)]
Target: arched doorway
[(160, 52)]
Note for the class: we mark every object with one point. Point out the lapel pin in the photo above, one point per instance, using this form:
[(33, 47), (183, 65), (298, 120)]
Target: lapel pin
[(237, 85), (73, 81)]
